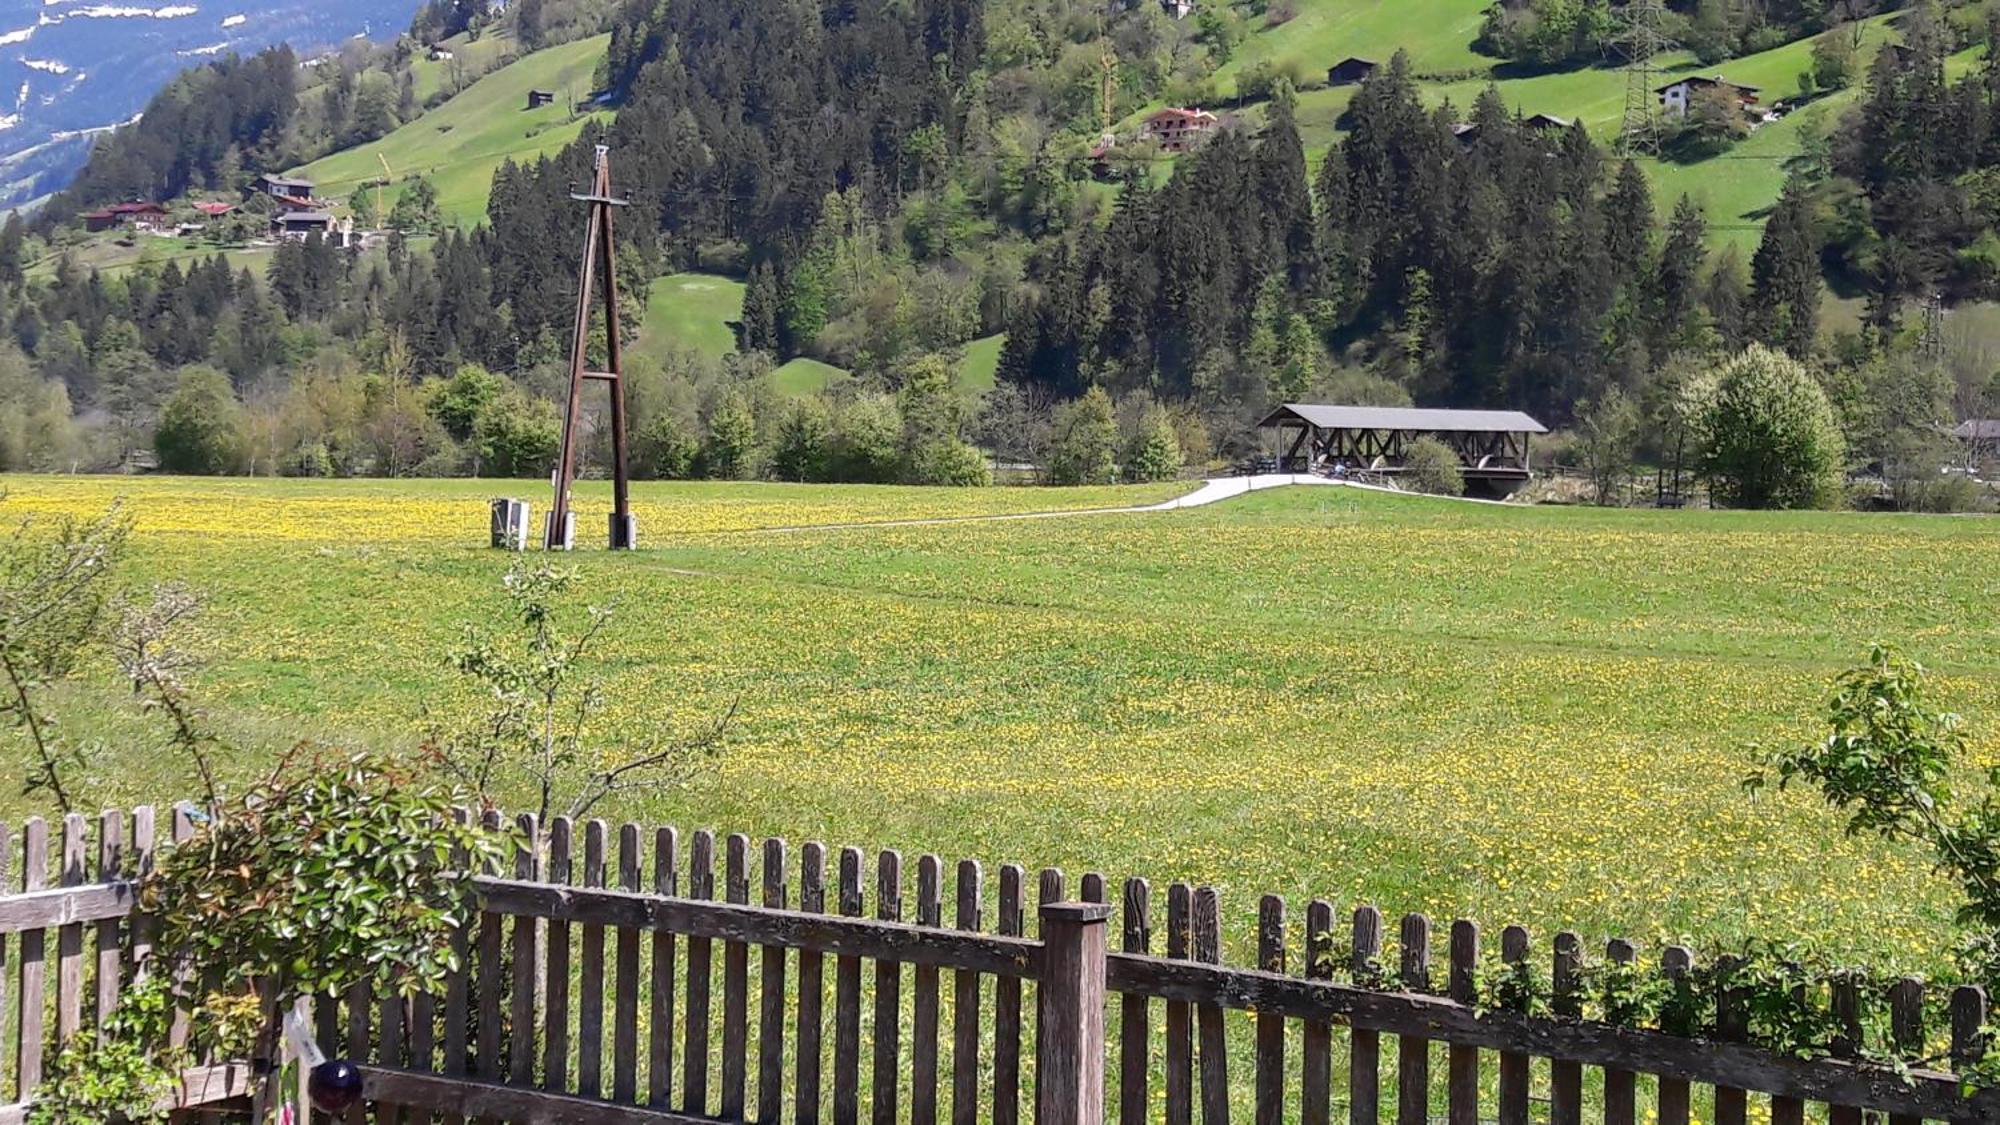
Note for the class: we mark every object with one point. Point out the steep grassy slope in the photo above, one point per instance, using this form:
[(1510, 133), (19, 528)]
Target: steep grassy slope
[(459, 144)]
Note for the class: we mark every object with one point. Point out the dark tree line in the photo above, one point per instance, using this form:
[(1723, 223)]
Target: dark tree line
[(1472, 262)]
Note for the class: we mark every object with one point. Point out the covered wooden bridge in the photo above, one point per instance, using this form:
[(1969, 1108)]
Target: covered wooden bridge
[(1492, 445)]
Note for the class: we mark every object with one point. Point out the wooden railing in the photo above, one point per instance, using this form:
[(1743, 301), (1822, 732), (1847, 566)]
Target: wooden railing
[(628, 976)]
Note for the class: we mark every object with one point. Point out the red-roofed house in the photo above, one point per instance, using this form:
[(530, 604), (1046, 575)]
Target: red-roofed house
[(214, 209), (1178, 130), (118, 214)]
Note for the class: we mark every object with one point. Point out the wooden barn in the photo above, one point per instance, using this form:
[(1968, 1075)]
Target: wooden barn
[(1492, 445)]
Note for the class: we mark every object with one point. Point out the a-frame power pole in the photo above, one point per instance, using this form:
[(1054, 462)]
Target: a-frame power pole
[(597, 251)]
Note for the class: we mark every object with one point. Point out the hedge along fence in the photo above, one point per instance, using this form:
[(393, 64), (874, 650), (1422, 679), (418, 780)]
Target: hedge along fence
[(632, 975)]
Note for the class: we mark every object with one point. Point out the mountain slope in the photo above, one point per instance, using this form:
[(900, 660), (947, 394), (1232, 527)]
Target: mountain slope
[(458, 144), (70, 69)]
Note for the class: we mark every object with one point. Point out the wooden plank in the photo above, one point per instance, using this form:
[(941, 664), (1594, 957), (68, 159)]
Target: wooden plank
[(660, 1025), (521, 1010), (1513, 1088), (1010, 922), (1180, 1014), (65, 906), (69, 939), (361, 1037), (487, 1064), (1270, 1077), (847, 1002), (812, 984), (694, 1048), (110, 932), (590, 975), (1906, 1030), (457, 989), (1732, 1025), (1069, 1029), (1620, 1092), (1214, 1050), (1566, 1000), (1134, 1012), (34, 985), (1461, 1061), (625, 1008), (145, 855), (1364, 1050), (8, 1012), (1968, 1034), (1844, 992), (1784, 1110), (735, 981), (886, 1077), (838, 936), (1090, 888), (1676, 964), (495, 1102), (924, 999), (1917, 1091), (771, 992), (1413, 1052), (1316, 1039), (423, 1031), (965, 1004), (561, 869), (181, 830)]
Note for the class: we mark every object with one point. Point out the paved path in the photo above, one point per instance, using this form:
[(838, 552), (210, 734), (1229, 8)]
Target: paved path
[(1219, 488)]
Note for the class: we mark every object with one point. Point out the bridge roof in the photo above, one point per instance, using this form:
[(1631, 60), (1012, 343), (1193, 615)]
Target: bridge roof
[(1326, 417)]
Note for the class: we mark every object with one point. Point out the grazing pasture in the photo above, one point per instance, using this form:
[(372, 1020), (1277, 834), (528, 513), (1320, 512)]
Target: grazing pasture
[(1536, 715)]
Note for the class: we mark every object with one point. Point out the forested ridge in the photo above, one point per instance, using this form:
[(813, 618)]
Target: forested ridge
[(892, 181)]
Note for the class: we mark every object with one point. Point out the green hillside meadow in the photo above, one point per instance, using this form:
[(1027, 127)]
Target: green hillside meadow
[(1520, 714), (458, 145)]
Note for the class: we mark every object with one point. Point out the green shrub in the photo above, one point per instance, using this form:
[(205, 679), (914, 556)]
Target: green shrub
[(1431, 466), (1155, 451), (1086, 440), (1769, 435)]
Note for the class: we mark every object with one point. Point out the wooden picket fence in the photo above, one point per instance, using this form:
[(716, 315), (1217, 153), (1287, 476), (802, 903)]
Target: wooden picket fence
[(612, 979)]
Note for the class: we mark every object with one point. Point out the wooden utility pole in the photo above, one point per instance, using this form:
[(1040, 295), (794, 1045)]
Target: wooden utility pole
[(597, 250)]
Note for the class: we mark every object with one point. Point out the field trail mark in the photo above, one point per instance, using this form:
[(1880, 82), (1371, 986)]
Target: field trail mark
[(1212, 490)]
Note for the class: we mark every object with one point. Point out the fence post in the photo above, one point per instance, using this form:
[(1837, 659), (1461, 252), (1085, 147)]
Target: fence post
[(1069, 1045)]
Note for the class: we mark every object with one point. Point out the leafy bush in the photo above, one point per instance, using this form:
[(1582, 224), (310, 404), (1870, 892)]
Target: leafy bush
[(952, 463), (1769, 435), (1086, 439), (1431, 466), (200, 428), (1155, 451)]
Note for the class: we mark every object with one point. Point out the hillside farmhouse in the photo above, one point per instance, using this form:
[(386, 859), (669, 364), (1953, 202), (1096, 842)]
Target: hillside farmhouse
[(1350, 70), (287, 188), (1678, 97), (145, 216), (1178, 130)]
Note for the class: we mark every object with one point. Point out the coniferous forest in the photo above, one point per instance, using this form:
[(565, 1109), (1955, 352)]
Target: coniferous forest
[(894, 181)]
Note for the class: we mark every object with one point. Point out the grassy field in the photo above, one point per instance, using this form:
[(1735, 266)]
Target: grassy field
[(691, 310), (1519, 714), (459, 144)]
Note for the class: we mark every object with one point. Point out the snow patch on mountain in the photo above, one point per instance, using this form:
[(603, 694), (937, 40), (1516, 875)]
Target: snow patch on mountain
[(232, 21), (46, 66)]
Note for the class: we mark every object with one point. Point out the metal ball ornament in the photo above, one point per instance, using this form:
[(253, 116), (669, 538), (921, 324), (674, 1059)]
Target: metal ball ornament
[(334, 1085)]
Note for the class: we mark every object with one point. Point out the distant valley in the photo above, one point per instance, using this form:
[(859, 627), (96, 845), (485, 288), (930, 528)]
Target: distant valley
[(71, 68)]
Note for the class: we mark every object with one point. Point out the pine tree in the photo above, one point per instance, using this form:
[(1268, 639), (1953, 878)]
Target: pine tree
[(1628, 224), (760, 310), (1680, 276), (1785, 276)]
